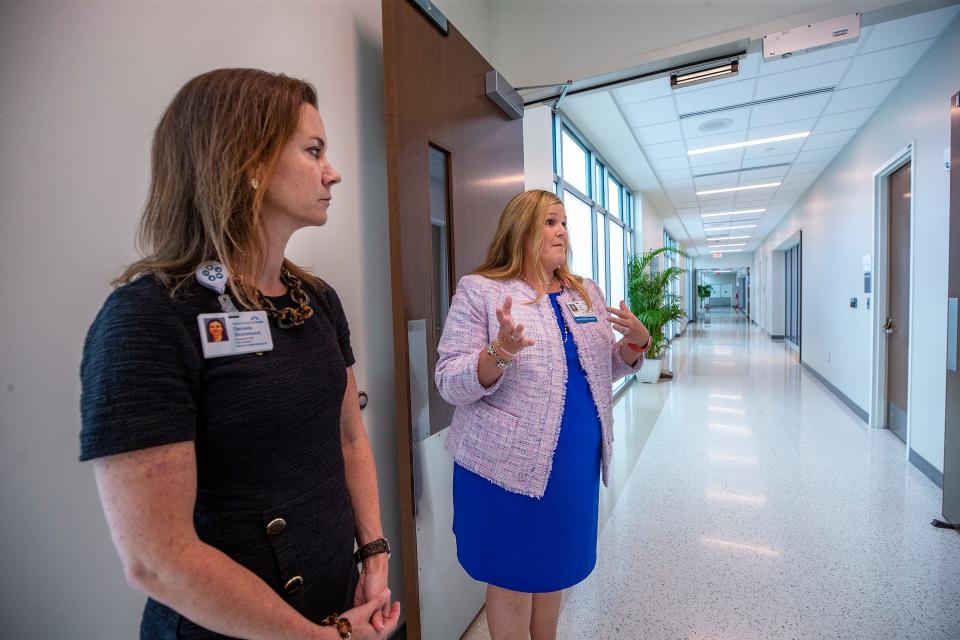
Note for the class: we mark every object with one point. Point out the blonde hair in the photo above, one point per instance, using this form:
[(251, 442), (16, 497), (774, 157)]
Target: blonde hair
[(518, 239), (220, 127)]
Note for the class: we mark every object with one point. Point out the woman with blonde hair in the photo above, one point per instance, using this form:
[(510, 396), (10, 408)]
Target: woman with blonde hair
[(532, 432), (235, 474)]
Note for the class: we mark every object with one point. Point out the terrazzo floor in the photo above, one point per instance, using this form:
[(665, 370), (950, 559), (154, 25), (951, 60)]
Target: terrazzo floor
[(761, 507)]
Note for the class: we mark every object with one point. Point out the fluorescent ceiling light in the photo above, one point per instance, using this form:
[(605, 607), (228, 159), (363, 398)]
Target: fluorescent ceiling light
[(748, 143), (731, 213), (729, 189), (704, 72), (727, 238), (735, 244), (728, 250), (732, 226)]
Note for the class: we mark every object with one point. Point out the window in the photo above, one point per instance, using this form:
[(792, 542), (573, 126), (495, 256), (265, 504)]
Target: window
[(614, 193), (574, 162), (600, 212), (580, 234)]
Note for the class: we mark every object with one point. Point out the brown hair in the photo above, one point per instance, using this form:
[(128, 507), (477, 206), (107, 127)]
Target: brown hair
[(220, 128), (519, 232)]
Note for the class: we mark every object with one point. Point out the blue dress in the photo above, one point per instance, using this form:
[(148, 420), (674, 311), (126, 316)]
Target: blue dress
[(538, 545)]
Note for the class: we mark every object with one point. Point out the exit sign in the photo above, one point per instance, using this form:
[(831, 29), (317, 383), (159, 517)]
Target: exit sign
[(717, 254)]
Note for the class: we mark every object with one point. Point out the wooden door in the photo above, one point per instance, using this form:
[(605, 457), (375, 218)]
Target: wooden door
[(951, 436), (454, 161), (898, 308)]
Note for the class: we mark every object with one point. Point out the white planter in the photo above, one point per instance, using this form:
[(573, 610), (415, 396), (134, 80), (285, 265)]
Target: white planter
[(650, 371)]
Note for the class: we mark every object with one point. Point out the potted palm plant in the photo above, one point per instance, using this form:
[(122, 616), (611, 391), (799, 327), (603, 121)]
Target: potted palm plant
[(653, 303), (704, 291)]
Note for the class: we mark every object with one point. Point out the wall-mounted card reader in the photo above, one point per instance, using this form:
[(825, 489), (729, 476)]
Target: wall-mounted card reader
[(853, 303)]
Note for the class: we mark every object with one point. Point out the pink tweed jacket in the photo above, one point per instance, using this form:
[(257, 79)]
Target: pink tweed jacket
[(508, 433)]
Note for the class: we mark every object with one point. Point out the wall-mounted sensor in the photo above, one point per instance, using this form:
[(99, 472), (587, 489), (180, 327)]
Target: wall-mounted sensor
[(946, 159), (853, 303)]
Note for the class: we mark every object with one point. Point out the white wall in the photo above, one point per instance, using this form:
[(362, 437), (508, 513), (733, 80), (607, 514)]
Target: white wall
[(472, 18), (650, 227), (83, 87), (836, 217)]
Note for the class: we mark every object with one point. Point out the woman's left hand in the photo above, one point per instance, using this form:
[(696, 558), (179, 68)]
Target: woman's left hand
[(373, 580), (627, 324)]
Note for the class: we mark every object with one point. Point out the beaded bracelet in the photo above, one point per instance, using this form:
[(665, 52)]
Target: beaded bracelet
[(344, 628), (501, 363)]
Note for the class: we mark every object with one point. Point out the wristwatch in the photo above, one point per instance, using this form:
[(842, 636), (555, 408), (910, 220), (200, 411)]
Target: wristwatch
[(380, 545)]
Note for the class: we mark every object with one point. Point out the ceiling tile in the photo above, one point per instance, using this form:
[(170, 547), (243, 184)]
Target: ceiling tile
[(674, 174), (789, 110), (738, 122), (805, 79), (884, 65), (678, 185), (822, 140), (859, 97), (817, 155), (761, 153), (843, 121), (782, 129), (667, 164), (657, 133), (664, 150), (910, 29), (715, 95), (809, 59), (716, 161), (768, 173), (642, 114), (806, 178), (645, 90)]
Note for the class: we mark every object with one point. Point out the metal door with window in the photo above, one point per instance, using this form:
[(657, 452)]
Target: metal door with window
[(897, 326), (454, 160)]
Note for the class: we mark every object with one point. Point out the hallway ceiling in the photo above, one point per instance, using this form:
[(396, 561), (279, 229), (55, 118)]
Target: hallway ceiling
[(829, 93)]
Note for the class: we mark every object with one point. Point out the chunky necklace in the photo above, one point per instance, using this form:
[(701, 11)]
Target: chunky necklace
[(288, 317)]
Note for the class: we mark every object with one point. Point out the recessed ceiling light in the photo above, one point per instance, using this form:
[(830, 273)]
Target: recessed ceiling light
[(731, 213), (727, 238), (715, 125), (729, 251), (728, 227), (748, 143), (735, 244), (727, 190)]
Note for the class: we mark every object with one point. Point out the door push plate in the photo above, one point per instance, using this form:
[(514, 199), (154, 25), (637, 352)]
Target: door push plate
[(952, 334)]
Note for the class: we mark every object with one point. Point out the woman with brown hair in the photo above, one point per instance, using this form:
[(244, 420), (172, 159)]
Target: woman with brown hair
[(533, 429), (237, 477)]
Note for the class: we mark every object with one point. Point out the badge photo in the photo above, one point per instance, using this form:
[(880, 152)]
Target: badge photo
[(581, 313), (223, 334)]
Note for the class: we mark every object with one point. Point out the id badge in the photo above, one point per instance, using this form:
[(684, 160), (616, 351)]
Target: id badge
[(581, 313), (227, 334)]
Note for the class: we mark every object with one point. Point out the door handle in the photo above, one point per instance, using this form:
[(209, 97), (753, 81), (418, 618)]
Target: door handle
[(888, 326)]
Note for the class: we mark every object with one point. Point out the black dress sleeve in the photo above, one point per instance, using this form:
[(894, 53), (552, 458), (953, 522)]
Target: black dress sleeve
[(139, 374), (339, 320)]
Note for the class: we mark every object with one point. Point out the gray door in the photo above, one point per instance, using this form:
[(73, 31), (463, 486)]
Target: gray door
[(898, 310), (951, 437)]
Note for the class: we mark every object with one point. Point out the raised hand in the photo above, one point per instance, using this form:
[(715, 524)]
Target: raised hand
[(627, 324), (510, 338)]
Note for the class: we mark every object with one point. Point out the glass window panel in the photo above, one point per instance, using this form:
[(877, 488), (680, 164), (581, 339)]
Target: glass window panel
[(579, 229), (598, 182), (602, 255), (613, 197), (574, 163), (618, 286)]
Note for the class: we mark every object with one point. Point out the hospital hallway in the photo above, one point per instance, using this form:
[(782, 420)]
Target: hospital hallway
[(760, 506)]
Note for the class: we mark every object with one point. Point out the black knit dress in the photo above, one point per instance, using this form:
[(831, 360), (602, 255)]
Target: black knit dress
[(271, 490)]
